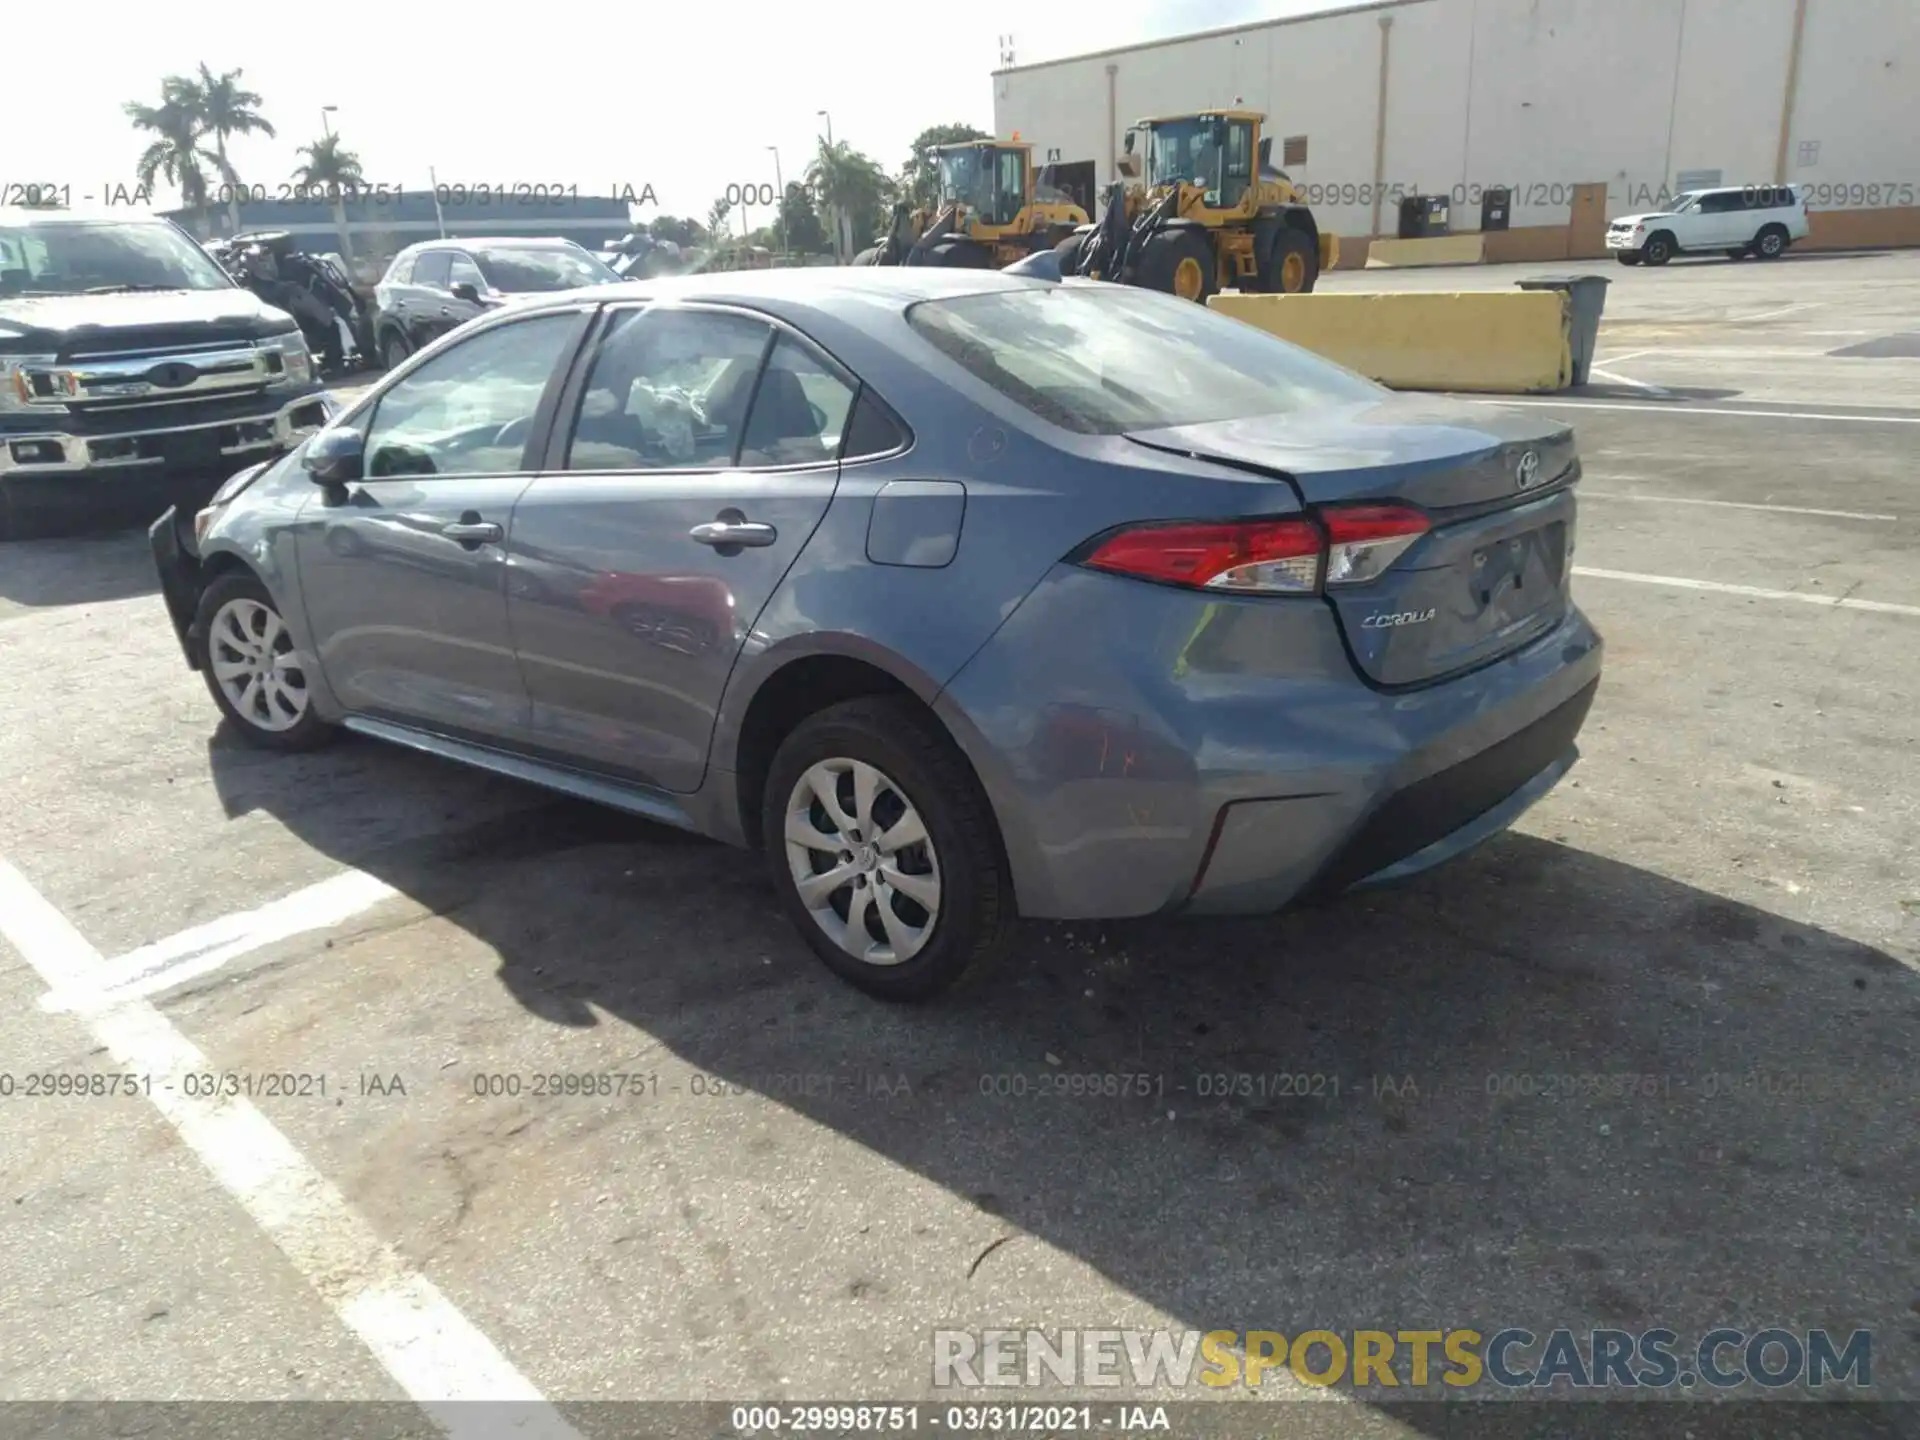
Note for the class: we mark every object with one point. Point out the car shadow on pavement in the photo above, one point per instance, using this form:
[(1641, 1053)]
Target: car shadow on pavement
[(77, 569), (1537, 1087)]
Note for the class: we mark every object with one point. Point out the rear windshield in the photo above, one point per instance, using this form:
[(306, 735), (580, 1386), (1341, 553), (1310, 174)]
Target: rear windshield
[(540, 268), (1106, 359)]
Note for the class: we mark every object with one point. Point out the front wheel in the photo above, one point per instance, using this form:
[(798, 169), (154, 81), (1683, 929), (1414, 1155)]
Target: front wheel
[(395, 351), (1179, 262), (256, 675), (1658, 250), (884, 849)]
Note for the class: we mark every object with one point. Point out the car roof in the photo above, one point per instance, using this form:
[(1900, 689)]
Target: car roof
[(476, 242), (823, 287)]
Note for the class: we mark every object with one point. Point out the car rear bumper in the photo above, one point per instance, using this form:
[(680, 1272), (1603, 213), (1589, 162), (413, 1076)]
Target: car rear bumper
[(1139, 763)]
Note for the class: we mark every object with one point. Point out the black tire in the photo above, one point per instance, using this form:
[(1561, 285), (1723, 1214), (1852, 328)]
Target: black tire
[(959, 254), (1165, 256), (1627, 257), (868, 256), (976, 906), (1658, 250), (309, 732), (1771, 243), (394, 350), (1289, 241)]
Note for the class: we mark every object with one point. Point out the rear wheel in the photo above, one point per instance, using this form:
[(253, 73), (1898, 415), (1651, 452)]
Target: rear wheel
[(1771, 243), (1292, 265), (1180, 262), (1658, 250), (255, 673), (884, 849)]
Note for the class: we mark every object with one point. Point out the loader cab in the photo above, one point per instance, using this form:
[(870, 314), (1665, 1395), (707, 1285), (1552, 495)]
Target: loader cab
[(990, 180), (1217, 154)]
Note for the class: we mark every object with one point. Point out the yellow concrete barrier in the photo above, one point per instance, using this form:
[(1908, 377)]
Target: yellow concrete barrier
[(1514, 343), (1468, 249)]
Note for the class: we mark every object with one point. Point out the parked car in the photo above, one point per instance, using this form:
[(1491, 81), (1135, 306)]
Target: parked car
[(1737, 221), (133, 369), (435, 286), (1064, 600)]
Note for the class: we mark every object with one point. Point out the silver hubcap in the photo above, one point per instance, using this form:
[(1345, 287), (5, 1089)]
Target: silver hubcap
[(251, 652), (862, 861)]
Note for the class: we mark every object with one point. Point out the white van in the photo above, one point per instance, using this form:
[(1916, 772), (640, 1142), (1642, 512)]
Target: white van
[(1735, 220)]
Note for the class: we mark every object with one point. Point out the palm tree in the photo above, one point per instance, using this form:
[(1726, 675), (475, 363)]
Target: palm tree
[(853, 190), (224, 109), (336, 170), (174, 154)]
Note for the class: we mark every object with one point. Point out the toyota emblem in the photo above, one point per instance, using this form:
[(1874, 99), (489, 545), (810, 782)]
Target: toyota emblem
[(173, 375), (1527, 474)]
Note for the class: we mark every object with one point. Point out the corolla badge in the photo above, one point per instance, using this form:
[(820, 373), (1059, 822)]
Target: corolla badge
[(1527, 473), (1392, 622)]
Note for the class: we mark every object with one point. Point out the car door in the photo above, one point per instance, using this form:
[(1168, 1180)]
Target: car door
[(1721, 222), (429, 300), (403, 572), (695, 455)]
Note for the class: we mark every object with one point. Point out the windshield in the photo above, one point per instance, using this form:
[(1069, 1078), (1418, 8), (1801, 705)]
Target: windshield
[(72, 257), (540, 268), (1105, 360), (966, 176), (1686, 202), (1185, 150)]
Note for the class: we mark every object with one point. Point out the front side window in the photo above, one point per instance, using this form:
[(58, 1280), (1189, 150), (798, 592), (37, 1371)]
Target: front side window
[(432, 269), (669, 390), (461, 270), (1010, 189), (540, 269), (1105, 360), (70, 257), (470, 409)]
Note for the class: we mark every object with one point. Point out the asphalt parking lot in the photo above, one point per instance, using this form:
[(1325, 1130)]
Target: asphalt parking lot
[(799, 1184)]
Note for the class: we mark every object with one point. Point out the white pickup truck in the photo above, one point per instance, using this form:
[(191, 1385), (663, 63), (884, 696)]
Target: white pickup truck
[(1734, 220)]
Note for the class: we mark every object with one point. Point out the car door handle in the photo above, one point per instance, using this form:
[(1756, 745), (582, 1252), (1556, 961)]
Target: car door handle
[(472, 532), (734, 532), (446, 310)]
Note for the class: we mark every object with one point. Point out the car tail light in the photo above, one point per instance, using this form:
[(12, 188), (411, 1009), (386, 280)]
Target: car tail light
[(1261, 557), (1346, 545), (1364, 540)]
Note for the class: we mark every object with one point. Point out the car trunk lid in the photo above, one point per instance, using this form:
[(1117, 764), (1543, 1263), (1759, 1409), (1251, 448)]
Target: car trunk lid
[(1490, 575)]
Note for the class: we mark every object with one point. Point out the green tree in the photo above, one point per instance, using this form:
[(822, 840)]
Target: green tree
[(717, 218), (222, 108), (852, 191), (175, 154), (800, 222), (919, 177), (337, 170)]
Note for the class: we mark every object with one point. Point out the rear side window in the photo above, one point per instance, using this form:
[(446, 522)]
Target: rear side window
[(1105, 360), (799, 412), (431, 268), (669, 390), (402, 271)]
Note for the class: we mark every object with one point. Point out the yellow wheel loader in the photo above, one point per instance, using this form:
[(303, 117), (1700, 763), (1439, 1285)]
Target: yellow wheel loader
[(992, 210), (1210, 213)]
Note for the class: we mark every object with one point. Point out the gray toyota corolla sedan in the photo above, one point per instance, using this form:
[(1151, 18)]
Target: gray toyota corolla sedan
[(960, 595)]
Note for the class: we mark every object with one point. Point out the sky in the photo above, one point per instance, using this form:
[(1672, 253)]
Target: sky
[(683, 97)]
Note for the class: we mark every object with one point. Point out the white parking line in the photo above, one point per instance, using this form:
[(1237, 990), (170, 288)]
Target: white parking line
[(1835, 602), (207, 948), (1586, 494), (433, 1351), (1620, 379), (1773, 314), (1700, 410)]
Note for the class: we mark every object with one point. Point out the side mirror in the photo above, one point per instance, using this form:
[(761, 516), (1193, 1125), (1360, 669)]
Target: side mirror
[(1129, 166), (1128, 146), (1266, 152), (335, 457), (466, 290)]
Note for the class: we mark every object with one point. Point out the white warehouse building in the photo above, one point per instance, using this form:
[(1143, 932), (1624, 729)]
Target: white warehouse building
[(1580, 109)]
